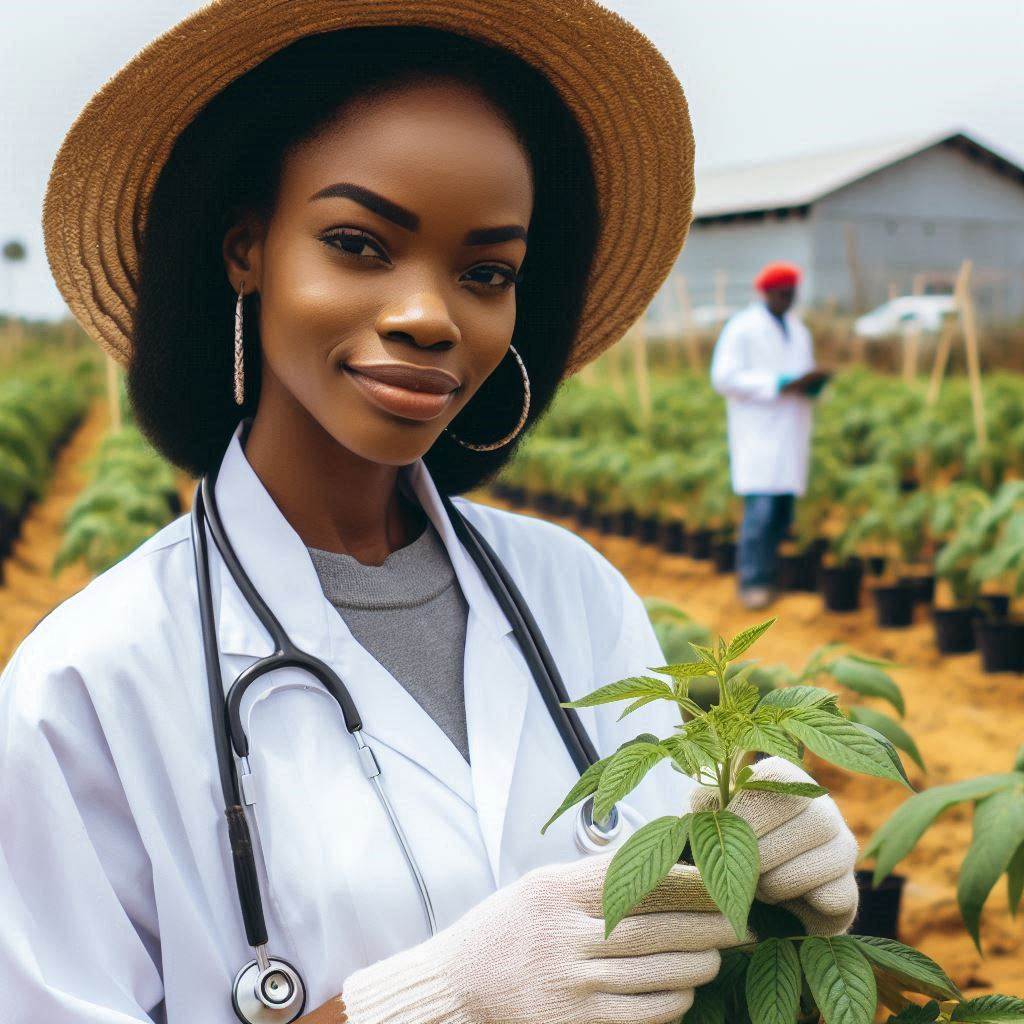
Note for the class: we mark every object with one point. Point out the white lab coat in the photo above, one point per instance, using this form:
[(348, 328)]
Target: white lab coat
[(769, 433), (116, 886)]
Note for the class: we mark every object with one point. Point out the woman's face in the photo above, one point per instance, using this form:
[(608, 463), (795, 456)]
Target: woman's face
[(395, 240)]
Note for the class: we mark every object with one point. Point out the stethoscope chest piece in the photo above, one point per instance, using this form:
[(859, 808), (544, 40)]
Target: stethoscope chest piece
[(594, 837), (270, 995)]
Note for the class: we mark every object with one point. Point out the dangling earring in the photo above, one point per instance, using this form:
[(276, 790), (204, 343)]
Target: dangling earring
[(239, 367), (522, 416)]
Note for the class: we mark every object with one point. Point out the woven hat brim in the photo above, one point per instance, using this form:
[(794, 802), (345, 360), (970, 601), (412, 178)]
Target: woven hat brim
[(629, 104)]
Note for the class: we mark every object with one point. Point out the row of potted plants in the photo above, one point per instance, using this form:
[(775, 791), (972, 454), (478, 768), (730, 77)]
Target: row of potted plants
[(132, 493), (40, 407)]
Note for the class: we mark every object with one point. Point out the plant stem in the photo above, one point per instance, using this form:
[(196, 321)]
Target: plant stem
[(724, 777)]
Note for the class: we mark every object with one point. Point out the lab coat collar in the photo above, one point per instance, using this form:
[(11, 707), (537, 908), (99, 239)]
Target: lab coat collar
[(278, 562), (497, 679)]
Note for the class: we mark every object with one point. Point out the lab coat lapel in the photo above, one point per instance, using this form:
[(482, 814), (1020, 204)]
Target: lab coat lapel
[(497, 679)]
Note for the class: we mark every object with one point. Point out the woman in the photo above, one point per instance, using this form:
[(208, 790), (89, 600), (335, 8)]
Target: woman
[(395, 205)]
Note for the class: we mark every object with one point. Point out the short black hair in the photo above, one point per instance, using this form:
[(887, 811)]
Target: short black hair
[(229, 159)]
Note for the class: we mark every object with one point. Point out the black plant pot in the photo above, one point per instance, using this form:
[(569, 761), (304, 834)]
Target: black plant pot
[(992, 606), (908, 484), (698, 544), (626, 523), (1002, 644), (922, 586), (840, 586), (648, 529), (894, 606), (879, 910), (953, 630), (724, 554), (607, 522), (673, 537), (566, 507), (793, 571), (502, 491), (516, 495), (585, 516), (548, 502)]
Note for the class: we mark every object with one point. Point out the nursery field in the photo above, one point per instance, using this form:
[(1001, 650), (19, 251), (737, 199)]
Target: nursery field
[(965, 722)]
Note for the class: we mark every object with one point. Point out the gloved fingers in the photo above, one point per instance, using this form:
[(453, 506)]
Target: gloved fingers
[(658, 972), (766, 812), (836, 898), (677, 932), (819, 924), (809, 870), (681, 889), (650, 1008), (819, 822)]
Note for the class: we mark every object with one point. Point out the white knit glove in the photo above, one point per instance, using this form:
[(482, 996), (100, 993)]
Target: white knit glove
[(807, 851), (535, 951)]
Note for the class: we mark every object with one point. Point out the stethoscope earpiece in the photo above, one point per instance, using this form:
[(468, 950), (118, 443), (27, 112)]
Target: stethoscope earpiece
[(273, 994)]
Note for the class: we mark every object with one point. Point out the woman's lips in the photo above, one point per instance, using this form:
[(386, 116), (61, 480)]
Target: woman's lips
[(415, 405)]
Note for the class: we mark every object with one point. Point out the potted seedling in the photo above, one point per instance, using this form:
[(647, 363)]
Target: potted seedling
[(1000, 637), (784, 975), (997, 845)]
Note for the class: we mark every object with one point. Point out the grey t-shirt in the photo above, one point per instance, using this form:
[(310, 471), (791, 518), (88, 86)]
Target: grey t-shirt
[(410, 614)]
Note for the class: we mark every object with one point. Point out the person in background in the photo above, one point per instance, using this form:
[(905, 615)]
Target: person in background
[(763, 364)]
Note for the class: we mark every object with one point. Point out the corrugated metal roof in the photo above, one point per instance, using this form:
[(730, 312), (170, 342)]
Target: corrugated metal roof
[(796, 182)]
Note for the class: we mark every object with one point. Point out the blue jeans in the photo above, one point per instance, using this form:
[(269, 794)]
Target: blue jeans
[(766, 517)]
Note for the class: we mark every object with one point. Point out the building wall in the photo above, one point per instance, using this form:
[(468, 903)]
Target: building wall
[(924, 216), (737, 250)]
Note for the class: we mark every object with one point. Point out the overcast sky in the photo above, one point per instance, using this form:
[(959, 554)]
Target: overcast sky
[(763, 81)]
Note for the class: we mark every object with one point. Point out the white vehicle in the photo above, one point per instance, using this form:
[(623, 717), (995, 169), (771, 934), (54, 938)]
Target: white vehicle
[(906, 312)]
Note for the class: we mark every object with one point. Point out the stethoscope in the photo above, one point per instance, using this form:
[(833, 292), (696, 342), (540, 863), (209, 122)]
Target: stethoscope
[(270, 990)]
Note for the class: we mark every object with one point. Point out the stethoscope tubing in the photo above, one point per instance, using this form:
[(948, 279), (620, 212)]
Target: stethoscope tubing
[(230, 737)]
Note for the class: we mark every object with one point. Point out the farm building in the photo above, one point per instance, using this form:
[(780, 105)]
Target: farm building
[(864, 223)]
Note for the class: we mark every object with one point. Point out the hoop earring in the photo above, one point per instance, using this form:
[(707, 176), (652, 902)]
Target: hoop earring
[(239, 367), (522, 416)]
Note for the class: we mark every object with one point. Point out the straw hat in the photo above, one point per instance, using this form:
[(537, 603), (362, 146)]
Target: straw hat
[(629, 105)]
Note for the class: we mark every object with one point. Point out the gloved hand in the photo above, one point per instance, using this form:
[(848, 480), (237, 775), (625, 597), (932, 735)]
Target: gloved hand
[(807, 851), (535, 951)]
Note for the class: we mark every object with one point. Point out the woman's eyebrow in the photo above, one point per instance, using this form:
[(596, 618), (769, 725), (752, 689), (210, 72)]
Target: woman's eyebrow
[(404, 218)]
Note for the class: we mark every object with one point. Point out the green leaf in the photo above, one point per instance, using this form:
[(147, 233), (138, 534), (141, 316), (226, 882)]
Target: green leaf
[(707, 655), (899, 835), (790, 697), (708, 1005), (725, 852), (867, 680), (742, 641), (997, 832), (623, 689), (889, 748), (1015, 880), (731, 981), (686, 754), (640, 702), (910, 969), (585, 785), (682, 670), (892, 731), (840, 978), (640, 864), (809, 789), (624, 772), (769, 739), (991, 1010), (773, 983), (841, 742), (914, 1014)]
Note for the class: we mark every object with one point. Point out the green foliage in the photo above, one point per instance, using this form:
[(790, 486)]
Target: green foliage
[(131, 495), (781, 975)]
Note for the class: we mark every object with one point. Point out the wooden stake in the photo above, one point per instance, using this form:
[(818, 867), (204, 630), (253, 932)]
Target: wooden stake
[(912, 338), (640, 375), (970, 324), (113, 394), (689, 331), (946, 336)]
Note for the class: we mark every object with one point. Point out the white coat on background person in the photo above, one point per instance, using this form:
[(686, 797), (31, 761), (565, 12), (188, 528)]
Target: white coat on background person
[(119, 901), (769, 432)]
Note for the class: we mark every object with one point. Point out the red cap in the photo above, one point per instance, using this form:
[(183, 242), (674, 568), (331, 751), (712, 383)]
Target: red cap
[(777, 275)]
